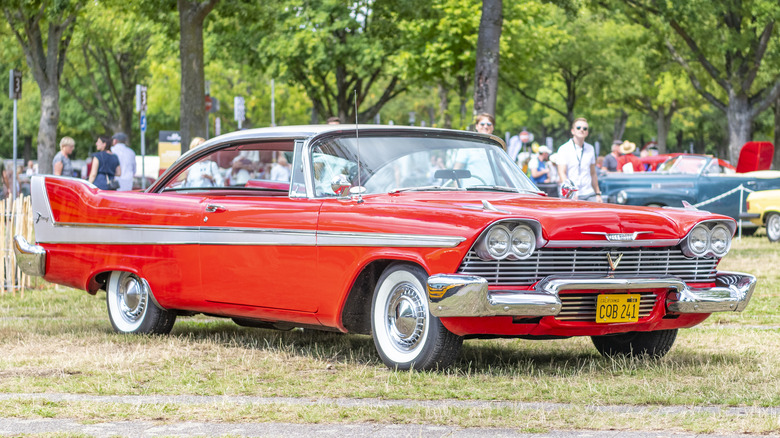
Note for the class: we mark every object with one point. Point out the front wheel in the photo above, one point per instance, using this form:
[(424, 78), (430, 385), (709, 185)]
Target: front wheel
[(130, 306), (636, 344), (773, 227), (405, 333)]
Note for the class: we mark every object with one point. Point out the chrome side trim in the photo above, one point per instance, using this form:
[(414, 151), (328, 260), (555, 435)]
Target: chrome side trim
[(328, 238), (114, 234), (454, 295), (31, 259), (604, 243)]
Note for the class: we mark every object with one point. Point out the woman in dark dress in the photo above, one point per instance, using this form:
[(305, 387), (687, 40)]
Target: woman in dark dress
[(105, 165)]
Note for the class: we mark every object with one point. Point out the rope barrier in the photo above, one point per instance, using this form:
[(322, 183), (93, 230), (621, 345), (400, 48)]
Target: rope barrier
[(719, 197)]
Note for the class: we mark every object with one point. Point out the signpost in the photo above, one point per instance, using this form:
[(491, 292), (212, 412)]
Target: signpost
[(239, 111), (140, 106), (15, 93)]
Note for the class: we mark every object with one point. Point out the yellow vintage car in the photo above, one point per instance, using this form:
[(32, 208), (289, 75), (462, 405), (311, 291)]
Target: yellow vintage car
[(763, 209)]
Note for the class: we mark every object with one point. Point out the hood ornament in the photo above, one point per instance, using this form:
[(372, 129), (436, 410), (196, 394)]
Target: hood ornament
[(613, 264), (618, 237)]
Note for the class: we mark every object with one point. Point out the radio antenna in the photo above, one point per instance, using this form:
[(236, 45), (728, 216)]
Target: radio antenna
[(357, 141)]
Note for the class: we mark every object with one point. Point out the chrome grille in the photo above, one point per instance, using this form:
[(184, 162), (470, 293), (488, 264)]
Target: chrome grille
[(544, 262), (582, 306)]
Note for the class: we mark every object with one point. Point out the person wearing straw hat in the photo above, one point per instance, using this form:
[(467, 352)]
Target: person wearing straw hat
[(628, 162)]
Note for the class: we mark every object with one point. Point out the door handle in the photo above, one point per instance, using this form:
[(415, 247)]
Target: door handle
[(213, 208)]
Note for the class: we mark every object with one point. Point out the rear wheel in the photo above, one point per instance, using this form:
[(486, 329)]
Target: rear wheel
[(636, 344), (405, 333), (773, 227), (131, 308)]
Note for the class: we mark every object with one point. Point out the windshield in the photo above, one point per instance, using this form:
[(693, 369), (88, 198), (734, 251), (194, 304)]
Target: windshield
[(401, 163), (683, 164)]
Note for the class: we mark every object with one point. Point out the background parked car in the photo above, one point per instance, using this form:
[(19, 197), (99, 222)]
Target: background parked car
[(763, 209), (702, 181)]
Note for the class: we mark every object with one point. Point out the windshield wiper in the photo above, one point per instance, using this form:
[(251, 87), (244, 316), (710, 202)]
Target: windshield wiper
[(499, 189), (424, 189)]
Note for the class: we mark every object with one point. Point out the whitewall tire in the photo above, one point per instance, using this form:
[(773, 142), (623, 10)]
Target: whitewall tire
[(405, 333), (131, 306), (773, 227)]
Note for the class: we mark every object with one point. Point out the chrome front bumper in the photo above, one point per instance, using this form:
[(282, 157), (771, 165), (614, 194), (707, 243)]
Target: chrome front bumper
[(451, 295), (31, 259)]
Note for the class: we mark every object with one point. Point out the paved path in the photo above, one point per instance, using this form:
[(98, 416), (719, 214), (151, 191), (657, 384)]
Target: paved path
[(15, 427)]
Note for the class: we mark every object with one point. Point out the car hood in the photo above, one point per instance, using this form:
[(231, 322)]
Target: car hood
[(561, 219)]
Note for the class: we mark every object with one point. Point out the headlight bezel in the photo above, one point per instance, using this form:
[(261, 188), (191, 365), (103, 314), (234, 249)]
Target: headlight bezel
[(708, 228), (521, 225), (516, 232)]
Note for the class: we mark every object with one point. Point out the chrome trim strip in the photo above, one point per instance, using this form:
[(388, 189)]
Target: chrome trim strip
[(116, 234), (329, 238), (602, 243), (31, 259), (618, 237), (453, 295)]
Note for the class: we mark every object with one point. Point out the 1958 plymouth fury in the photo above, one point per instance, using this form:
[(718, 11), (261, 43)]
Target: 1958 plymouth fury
[(419, 237)]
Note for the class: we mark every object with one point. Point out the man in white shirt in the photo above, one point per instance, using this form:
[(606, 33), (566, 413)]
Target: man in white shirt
[(126, 161), (577, 163)]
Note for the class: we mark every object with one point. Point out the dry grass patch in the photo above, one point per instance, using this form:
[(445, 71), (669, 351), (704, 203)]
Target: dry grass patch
[(60, 340)]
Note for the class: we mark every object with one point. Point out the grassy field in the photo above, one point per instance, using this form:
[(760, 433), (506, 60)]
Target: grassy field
[(59, 340)]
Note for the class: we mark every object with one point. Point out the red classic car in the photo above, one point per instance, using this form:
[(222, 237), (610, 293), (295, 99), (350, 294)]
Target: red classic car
[(419, 237)]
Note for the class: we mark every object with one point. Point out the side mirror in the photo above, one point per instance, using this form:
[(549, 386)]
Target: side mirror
[(340, 184), (567, 189)]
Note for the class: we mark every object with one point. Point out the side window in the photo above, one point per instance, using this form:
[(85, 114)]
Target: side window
[(713, 168), (257, 166)]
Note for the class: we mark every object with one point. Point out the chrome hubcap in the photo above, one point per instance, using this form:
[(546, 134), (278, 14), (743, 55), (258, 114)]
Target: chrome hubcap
[(405, 316), (133, 297)]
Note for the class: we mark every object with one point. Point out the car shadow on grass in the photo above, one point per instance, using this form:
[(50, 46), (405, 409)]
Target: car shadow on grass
[(492, 356)]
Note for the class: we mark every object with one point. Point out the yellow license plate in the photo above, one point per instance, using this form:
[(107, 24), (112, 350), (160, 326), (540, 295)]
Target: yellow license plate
[(617, 308)]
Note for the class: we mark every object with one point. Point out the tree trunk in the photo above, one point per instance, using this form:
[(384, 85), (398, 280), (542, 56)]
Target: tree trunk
[(486, 72), (620, 126), (47, 130), (776, 160), (663, 124), (445, 118), (462, 93), (193, 85), (740, 125), (27, 154)]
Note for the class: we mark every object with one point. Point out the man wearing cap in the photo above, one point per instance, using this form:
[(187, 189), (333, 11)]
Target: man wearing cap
[(126, 161), (539, 166)]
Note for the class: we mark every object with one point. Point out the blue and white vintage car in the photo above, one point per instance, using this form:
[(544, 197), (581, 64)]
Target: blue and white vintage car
[(701, 181)]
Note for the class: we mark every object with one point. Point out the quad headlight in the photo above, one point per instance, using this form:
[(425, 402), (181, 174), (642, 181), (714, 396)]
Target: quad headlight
[(512, 241), (720, 240), (707, 239)]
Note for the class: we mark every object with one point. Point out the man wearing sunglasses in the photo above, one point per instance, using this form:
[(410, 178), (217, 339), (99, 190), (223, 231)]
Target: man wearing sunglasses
[(577, 163)]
